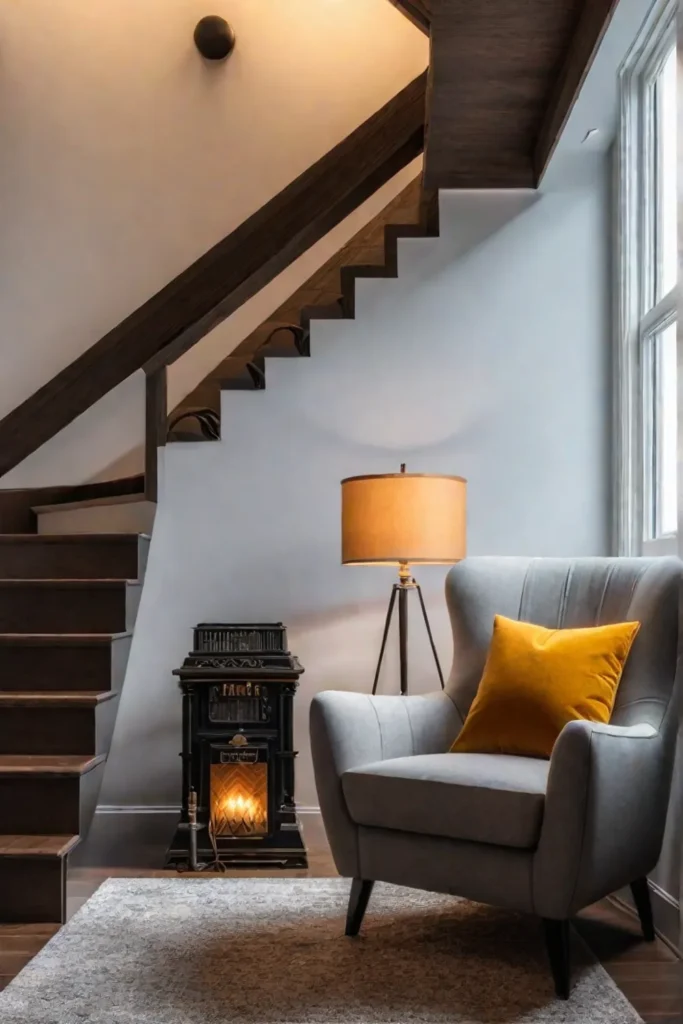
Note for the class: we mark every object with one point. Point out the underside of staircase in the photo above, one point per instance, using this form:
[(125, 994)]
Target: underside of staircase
[(328, 295), (67, 610)]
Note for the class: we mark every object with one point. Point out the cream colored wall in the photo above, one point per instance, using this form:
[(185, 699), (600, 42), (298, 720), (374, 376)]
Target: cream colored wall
[(125, 155), (107, 441)]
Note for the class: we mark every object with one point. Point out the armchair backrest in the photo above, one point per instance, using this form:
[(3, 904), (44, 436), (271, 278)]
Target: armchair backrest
[(573, 592)]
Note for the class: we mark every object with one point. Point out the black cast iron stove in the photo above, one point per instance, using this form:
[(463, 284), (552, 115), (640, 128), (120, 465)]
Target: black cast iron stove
[(238, 809)]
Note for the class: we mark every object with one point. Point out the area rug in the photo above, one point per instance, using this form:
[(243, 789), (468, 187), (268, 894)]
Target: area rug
[(261, 951)]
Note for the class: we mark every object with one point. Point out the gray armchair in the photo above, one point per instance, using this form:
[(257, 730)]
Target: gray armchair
[(546, 837)]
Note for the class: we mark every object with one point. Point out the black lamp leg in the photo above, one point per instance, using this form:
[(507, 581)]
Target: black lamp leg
[(390, 611), (402, 589), (403, 637), (429, 634)]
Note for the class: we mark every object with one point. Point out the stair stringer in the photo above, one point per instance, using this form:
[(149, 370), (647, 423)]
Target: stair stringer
[(286, 334), (119, 669), (477, 215)]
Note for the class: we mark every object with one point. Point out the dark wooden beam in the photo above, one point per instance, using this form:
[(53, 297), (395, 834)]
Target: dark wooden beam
[(225, 277), (592, 24), (156, 416), (416, 11)]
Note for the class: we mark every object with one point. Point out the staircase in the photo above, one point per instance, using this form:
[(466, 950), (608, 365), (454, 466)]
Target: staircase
[(69, 598), (328, 295), (69, 595), (72, 558), (67, 609)]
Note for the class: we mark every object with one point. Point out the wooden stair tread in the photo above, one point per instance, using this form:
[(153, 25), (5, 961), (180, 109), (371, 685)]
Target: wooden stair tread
[(70, 506), (77, 584), (70, 538), (79, 492), (353, 271), (48, 764), (37, 846), (55, 698), (60, 639)]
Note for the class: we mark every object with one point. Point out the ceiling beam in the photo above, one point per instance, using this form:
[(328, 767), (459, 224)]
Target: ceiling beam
[(491, 64), (416, 11), (591, 26)]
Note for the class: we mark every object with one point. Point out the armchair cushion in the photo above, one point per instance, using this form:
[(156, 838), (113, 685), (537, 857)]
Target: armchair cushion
[(485, 798)]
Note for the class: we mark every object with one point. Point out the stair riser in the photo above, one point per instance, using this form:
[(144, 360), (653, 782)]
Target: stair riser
[(60, 610), (46, 668), (37, 730), (49, 805), (96, 560), (32, 890)]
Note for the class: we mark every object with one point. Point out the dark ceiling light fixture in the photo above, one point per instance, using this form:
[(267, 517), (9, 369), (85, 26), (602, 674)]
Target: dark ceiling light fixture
[(214, 38)]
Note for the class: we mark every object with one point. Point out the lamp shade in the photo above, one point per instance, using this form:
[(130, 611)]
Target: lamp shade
[(403, 517)]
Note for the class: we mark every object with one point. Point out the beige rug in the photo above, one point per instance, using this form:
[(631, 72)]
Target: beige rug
[(260, 951)]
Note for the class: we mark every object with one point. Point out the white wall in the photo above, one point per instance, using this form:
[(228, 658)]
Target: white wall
[(125, 156), (487, 358)]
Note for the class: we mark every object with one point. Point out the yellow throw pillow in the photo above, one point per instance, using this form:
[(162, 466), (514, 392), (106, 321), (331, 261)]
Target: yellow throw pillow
[(536, 680)]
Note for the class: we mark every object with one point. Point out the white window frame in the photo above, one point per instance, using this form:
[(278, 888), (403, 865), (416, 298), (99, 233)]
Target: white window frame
[(637, 319)]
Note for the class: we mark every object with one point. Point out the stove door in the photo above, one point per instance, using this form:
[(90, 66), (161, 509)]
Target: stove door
[(239, 791)]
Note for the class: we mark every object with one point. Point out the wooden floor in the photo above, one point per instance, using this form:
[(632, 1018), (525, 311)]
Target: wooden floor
[(649, 974)]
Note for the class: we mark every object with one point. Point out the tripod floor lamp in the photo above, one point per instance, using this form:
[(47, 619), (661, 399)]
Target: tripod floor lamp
[(403, 519)]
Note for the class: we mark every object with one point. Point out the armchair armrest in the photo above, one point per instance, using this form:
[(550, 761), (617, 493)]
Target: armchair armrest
[(605, 810), (353, 729)]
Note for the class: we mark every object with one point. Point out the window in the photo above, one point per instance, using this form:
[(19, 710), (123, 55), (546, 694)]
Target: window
[(646, 349)]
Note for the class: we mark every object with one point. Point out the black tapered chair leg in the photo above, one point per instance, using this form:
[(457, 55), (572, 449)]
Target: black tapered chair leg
[(641, 897), (558, 945), (361, 889)]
